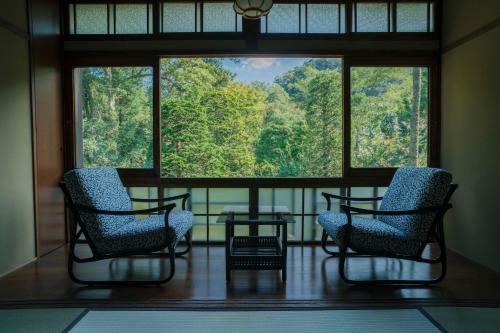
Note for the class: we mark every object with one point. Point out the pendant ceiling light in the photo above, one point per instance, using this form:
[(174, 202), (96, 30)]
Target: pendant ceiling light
[(252, 9)]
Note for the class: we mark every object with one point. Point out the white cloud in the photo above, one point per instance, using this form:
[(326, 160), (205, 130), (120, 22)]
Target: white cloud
[(260, 63)]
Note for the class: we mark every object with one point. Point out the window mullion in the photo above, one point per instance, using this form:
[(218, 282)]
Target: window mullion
[(157, 117)]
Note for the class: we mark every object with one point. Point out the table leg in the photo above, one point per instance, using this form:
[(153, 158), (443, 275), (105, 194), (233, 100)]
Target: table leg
[(284, 246), (228, 251)]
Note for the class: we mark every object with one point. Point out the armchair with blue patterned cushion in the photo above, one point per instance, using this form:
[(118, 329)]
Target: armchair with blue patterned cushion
[(409, 218), (102, 212)]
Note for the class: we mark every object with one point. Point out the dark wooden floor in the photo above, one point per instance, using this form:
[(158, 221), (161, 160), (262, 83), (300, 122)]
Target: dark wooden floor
[(200, 279)]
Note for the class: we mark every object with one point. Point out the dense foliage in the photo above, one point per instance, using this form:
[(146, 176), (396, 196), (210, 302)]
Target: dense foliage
[(215, 126), (116, 108)]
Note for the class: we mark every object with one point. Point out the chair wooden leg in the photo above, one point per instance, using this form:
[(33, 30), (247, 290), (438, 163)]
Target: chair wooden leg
[(189, 243), (124, 283), (324, 239), (343, 258)]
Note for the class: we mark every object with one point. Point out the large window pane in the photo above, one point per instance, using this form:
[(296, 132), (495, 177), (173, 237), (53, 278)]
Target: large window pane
[(113, 107), (389, 107), (251, 117)]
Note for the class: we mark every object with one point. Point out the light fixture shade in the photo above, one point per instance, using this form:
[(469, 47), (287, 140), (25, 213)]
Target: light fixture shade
[(252, 9)]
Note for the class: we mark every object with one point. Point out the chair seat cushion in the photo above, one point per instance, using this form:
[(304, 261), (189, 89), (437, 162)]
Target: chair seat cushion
[(367, 234), (149, 233)]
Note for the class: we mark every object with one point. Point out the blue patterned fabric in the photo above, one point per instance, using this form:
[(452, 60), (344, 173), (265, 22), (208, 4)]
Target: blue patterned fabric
[(367, 234), (149, 232), (101, 188), (415, 188), (411, 188)]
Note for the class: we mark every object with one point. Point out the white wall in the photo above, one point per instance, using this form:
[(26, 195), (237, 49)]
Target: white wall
[(17, 226), (471, 128)]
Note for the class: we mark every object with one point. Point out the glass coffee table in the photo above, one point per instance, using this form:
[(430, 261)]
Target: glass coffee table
[(254, 252)]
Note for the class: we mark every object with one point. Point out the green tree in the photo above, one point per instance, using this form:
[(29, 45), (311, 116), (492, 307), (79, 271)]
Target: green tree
[(188, 150), (323, 149), (279, 149), (214, 126), (383, 105), (235, 116), (116, 106)]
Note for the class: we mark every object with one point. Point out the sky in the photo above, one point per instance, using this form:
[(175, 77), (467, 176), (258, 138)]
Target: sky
[(261, 69)]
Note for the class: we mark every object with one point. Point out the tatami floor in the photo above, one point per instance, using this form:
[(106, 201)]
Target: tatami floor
[(200, 279), (452, 319)]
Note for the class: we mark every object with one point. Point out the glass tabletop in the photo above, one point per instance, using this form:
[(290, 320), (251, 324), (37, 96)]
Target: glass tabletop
[(265, 214)]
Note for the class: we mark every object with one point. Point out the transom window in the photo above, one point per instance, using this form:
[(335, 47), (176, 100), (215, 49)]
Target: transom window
[(303, 17)]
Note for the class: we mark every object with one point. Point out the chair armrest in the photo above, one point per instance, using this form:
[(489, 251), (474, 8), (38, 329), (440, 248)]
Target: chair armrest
[(184, 198), (329, 196), (87, 209), (166, 208), (349, 209)]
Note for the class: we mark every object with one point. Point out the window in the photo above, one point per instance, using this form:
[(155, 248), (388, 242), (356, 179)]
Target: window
[(220, 17), (89, 19), (414, 17), (118, 17), (393, 16), (179, 17), (114, 113), (102, 19), (283, 18), (328, 18), (251, 117), (371, 17), (200, 16), (389, 110), (133, 19), (325, 18)]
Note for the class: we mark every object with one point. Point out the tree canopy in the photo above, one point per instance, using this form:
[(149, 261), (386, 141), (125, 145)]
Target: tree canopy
[(213, 125)]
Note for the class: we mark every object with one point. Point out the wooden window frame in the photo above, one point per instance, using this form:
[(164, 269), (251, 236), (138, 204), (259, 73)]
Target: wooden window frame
[(350, 176), (70, 114), (433, 112)]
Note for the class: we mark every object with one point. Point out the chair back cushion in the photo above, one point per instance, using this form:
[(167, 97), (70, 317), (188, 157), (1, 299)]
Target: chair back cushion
[(415, 188), (99, 188)]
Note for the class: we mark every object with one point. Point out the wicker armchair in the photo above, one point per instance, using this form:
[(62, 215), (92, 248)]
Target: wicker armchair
[(410, 217), (102, 212)]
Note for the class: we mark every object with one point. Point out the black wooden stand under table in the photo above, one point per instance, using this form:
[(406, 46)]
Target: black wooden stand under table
[(255, 252)]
